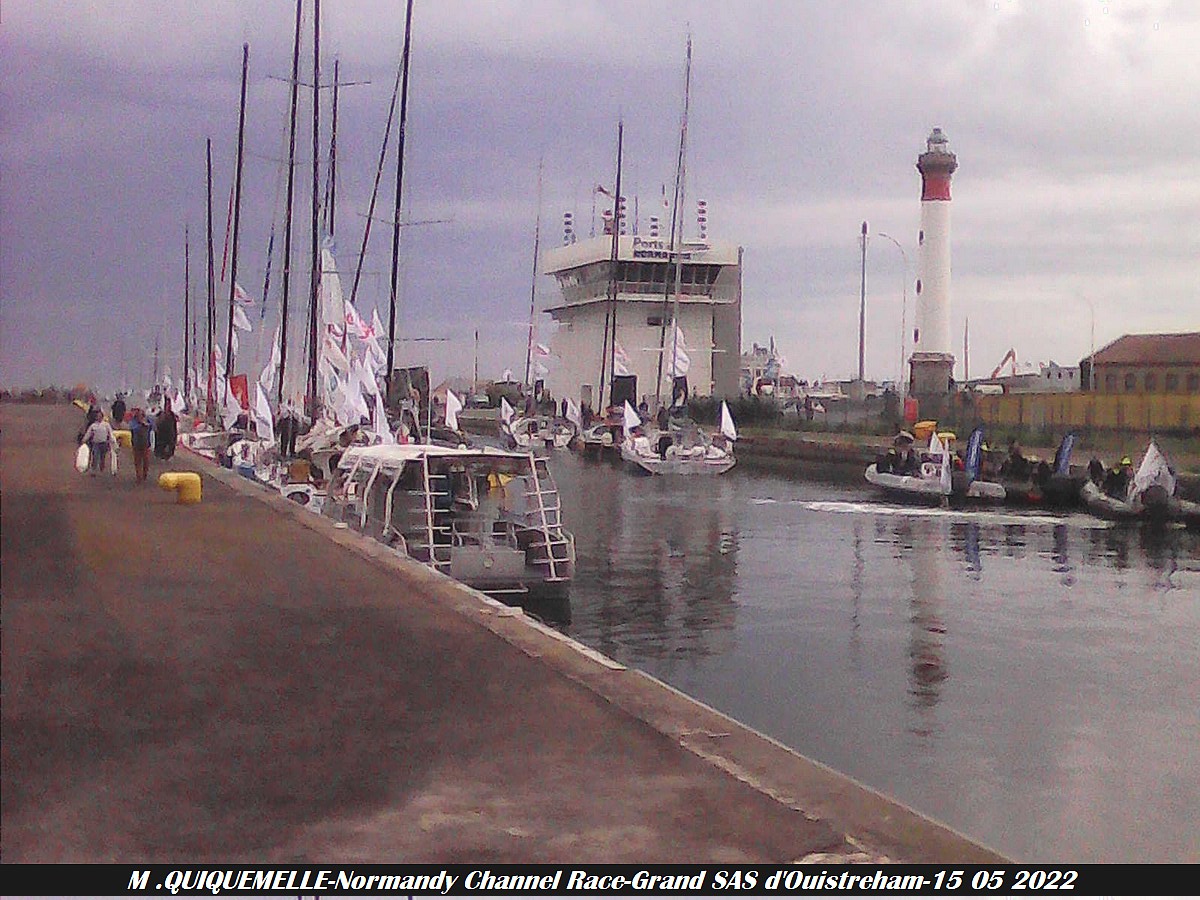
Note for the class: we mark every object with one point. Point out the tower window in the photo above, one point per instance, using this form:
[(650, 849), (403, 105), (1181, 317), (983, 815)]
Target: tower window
[(921, 236), (918, 285)]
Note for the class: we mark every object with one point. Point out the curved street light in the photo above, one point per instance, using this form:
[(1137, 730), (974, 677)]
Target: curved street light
[(904, 302)]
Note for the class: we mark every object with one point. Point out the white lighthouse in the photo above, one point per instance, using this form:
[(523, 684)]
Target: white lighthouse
[(932, 362)]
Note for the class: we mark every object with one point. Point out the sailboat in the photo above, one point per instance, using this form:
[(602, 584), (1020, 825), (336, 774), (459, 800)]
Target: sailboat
[(675, 445), (685, 449)]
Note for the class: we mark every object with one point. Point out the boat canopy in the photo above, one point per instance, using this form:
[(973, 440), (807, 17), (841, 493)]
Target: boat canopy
[(395, 456)]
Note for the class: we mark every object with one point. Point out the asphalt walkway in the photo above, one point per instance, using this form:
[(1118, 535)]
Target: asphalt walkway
[(241, 681)]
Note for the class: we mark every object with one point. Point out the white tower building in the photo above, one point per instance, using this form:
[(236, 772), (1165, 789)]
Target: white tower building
[(932, 362)]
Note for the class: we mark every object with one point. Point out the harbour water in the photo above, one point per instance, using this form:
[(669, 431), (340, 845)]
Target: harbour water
[(1032, 680)]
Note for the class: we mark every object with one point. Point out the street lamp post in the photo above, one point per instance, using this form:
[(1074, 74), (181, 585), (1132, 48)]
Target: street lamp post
[(1092, 357), (904, 304)]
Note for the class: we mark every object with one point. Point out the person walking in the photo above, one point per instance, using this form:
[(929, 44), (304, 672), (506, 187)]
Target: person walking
[(139, 436), (100, 439), (118, 411), (166, 432)]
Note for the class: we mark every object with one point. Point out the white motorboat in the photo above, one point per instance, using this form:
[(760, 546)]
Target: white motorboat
[(486, 517), (527, 432)]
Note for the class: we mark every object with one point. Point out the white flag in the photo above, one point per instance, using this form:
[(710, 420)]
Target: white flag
[(680, 361), (1154, 470), (621, 361), (573, 413), (267, 377), (263, 421), (727, 427), (239, 319), (380, 422), (631, 418), (946, 470), (506, 411), (373, 339), (453, 407), (240, 297), (935, 443)]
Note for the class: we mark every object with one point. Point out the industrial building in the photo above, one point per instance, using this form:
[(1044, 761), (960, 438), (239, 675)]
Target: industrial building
[(1145, 364)]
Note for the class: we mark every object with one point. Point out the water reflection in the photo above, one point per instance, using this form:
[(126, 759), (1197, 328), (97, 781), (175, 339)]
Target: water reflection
[(656, 562), (1013, 674), (926, 654)]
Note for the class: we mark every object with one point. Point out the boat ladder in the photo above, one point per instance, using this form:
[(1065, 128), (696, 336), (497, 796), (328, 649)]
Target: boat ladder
[(439, 553), (554, 549)]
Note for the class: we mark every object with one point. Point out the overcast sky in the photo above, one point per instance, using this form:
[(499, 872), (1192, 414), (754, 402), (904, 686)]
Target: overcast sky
[(1076, 201)]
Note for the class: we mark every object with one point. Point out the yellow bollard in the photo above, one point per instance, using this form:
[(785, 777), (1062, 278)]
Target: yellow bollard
[(186, 485)]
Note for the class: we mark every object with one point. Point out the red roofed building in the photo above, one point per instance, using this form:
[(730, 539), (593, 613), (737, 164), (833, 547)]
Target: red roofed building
[(1146, 364)]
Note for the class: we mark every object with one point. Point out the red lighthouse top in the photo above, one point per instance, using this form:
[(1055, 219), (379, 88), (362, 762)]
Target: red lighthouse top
[(936, 165)]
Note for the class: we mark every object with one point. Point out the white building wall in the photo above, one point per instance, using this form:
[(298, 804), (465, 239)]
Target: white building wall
[(577, 341)]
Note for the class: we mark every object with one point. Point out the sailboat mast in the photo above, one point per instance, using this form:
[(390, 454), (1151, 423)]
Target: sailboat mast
[(537, 233), (331, 182), (210, 408), (608, 356), (676, 239), (187, 312), (314, 348), (287, 228), (387, 133), (396, 213), (237, 215)]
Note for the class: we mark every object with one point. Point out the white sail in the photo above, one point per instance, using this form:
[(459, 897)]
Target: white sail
[(727, 427)]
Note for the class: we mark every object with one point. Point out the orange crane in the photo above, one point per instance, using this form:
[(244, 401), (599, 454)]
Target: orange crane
[(1009, 357)]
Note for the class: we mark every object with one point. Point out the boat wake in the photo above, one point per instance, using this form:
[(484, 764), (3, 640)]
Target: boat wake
[(989, 516)]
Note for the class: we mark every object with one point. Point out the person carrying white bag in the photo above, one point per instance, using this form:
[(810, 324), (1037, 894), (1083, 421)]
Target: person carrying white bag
[(101, 444)]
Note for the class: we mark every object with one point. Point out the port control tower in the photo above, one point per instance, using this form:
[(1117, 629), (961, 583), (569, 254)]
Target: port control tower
[(931, 366)]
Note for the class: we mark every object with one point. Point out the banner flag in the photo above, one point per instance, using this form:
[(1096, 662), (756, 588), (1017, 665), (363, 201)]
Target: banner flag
[(453, 408), (239, 387)]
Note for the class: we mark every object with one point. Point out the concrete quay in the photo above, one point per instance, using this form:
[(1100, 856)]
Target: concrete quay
[(240, 680)]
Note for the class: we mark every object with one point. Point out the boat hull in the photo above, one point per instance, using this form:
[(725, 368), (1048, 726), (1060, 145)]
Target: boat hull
[(916, 488), (678, 465)]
